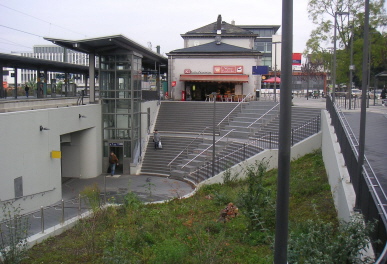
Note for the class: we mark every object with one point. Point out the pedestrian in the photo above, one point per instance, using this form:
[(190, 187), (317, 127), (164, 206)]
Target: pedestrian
[(383, 95), (156, 138), (27, 89), (113, 161)]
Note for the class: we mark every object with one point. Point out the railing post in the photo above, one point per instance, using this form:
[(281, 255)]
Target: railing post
[(244, 151), (42, 219), (270, 140), (104, 185), (292, 136), (79, 204), (62, 221)]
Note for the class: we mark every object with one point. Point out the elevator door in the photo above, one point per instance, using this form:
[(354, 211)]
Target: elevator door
[(119, 151)]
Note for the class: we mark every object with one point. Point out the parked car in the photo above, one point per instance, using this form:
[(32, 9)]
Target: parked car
[(356, 93), (377, 94)]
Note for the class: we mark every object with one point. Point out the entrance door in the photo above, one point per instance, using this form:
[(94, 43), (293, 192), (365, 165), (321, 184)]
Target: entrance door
[(119, 151)]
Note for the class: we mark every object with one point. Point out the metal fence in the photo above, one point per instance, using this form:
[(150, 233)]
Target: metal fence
[(49, 216), (371, 197), (252, 147)]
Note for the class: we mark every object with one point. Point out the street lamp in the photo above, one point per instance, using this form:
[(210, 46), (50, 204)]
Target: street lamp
[(275, 71), (334, 54), (351, 69)]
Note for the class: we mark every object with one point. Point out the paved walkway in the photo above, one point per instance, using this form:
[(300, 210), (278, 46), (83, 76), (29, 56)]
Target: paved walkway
[(148, 188), (375, 134)]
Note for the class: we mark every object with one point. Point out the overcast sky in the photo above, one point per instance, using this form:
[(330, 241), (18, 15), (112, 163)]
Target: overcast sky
[(24, 23)]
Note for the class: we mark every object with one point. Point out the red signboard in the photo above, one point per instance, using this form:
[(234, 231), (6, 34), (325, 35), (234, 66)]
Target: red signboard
[(5, 85), (173, 83), (237, 69), (297, 58), (187, 71)]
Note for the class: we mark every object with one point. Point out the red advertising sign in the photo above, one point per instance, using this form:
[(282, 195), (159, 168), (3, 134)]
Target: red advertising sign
[(237, 69), (187, 71), (297, 58), (173, 83)]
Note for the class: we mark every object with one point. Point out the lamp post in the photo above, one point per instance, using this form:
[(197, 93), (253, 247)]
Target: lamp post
[(275, 70), (351, 69), (334, 55)]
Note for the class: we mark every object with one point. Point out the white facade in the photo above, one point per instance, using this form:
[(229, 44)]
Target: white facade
[(206, 66)]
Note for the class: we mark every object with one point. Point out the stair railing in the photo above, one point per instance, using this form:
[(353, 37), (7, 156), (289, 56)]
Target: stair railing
[(236, 107), (267, 141), (262, 117), (186, 148), (198, 155)]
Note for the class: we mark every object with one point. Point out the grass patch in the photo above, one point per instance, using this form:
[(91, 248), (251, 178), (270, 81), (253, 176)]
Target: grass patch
[(187, 230)]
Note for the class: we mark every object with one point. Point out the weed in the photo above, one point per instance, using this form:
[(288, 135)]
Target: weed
[(149, 186), (228, 177), (256, 199), (92, 196), (13, 235)]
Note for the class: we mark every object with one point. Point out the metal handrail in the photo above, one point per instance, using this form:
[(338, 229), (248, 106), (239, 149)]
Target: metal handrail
[(28, 195), (243, 100), (378, 202), (207, 148), (354, 140), (259, 118), (186, 148), (253, 143)]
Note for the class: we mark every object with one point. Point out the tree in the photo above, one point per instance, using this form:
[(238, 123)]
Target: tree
[(322, 13)]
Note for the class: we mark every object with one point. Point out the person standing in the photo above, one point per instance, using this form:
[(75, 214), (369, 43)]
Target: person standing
[(156, 138), (27, 89), (113, 161)]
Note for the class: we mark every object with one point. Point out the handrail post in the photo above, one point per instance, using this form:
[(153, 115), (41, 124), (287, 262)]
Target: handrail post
[(62, 221), (42, 219), (292, 143), (79, 204)]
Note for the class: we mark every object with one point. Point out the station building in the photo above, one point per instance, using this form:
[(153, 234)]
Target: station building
[(220, 57)]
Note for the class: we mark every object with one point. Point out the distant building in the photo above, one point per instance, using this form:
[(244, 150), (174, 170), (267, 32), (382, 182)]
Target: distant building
[(220, 57), (53, 53)]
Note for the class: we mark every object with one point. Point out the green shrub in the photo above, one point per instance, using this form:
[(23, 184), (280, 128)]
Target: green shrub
[(316, 242)]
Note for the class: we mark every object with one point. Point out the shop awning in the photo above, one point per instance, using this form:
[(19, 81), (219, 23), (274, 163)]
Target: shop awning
[(214, 78)]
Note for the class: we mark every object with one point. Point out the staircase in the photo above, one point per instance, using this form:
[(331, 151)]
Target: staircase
[(192, 117), (179, 124)]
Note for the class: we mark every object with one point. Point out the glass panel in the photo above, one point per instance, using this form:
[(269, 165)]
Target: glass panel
[(108, 106), (122, 121), (108, 121), (123, 133), (123, 105), (107, 80), (127, 150), (259, 46), (105, 149)]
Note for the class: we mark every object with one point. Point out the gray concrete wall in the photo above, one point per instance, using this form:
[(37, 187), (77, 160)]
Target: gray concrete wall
[(26, 151), (342, 189)]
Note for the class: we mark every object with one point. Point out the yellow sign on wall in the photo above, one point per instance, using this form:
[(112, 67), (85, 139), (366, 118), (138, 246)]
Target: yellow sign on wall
[(56, 154)]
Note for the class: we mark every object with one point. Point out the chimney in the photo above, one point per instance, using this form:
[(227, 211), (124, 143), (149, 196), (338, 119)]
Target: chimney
[(158, 49), (233, 22), (219, 25)]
